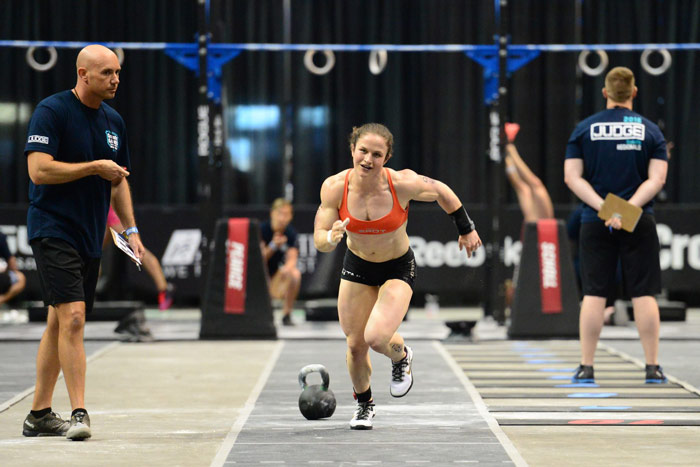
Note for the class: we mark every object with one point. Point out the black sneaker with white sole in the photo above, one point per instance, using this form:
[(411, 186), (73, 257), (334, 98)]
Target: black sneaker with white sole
[(362, 419), (79, 426), (50, 424)]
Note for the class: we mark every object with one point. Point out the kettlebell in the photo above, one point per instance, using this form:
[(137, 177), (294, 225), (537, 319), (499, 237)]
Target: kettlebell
[(316, 401)]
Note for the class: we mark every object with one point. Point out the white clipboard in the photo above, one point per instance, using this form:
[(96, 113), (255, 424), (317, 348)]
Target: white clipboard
[(123, 245)]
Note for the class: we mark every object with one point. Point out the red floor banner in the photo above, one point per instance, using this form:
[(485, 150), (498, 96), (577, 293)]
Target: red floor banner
[(236, 265), (550, 274)]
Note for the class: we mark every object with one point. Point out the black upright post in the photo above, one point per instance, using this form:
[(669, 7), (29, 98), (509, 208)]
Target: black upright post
[(495, 302), (287, 107), (216, 110), (204, 185)]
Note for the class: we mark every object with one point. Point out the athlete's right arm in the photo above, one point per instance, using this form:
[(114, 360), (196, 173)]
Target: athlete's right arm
[(573, 177), (45, 170), (328, 228)]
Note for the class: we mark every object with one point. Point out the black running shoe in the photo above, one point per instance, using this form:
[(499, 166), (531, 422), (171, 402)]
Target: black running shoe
[(50, 424), (287, 320), (362, 419), (655, 375), (584, 374), (79, 427)]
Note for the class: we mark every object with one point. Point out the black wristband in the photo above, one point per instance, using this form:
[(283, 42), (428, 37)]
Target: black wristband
[(462, 221)]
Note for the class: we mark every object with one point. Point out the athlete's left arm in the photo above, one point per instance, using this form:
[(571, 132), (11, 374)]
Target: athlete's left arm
[(652, 185), (121, 202), (422, 188)]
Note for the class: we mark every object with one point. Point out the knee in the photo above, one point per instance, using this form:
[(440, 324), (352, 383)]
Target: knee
[(357, 348), (292, 276), (296, 276), (21, 279), (376, 339), (72, 321)]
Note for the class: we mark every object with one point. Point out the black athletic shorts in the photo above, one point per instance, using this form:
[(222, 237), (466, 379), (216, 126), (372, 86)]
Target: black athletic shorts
[(356, 269), (638, 253), (64, 274)]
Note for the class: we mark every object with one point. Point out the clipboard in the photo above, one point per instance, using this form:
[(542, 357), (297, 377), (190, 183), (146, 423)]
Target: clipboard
[(616, 206), (123, 245)]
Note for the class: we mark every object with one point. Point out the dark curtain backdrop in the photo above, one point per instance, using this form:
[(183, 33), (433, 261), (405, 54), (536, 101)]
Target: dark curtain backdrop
[(156, 95), (432, 102)]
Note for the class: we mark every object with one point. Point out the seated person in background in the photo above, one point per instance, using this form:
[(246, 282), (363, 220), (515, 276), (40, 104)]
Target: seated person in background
[(12, 280), (533, 196), (149, 261), (280, 249)]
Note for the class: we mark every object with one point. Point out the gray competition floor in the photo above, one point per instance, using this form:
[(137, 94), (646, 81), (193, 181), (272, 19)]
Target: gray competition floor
[(481, 400)]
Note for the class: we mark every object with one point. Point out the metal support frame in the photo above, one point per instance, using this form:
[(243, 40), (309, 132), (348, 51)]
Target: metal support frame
[(498, 61)]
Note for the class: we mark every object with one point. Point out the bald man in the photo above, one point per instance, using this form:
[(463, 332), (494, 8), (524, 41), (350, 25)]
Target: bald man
[(78, 161)]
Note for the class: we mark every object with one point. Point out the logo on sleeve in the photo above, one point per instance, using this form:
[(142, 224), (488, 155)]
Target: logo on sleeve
[(38, 139), (112, 140)]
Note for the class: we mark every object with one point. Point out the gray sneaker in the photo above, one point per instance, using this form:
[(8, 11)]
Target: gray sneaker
[(79, 427), (50, 424)]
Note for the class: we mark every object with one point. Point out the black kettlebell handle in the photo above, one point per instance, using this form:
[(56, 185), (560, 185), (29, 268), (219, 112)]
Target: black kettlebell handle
[(314, 368)]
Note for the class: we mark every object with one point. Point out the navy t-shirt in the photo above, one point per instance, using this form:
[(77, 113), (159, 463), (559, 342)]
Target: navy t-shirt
[(616, 146), (72, 132), (278, 257)]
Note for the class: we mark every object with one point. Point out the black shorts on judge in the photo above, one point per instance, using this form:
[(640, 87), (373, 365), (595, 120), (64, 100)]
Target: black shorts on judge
[(356, 269), (64, 274), (638, 253)]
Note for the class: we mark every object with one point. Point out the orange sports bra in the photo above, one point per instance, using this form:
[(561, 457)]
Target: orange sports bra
[(392, 221)]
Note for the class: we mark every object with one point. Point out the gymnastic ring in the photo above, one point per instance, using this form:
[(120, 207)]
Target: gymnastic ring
[(119, 52), (659, 70), (319, 70), (589, 70), (377, 61), (31, 61)]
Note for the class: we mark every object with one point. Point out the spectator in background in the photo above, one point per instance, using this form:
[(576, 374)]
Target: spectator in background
[(149, 261), (533, 197), (12, 280), (280, 249)]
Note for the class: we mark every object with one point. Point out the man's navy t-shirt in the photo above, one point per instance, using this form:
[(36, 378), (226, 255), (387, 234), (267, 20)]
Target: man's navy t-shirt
[(278, 257), (616, 146), (72, 132)]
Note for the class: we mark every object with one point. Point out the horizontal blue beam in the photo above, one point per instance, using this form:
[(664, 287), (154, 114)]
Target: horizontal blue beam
[(80, 45), (354, 47)]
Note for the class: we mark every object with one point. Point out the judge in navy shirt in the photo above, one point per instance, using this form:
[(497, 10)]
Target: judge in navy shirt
[(78, 161), (618, 151)]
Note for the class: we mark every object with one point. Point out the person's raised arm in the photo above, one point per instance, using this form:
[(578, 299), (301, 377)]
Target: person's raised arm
[(422, 188), (328, 228), (45, 170)]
